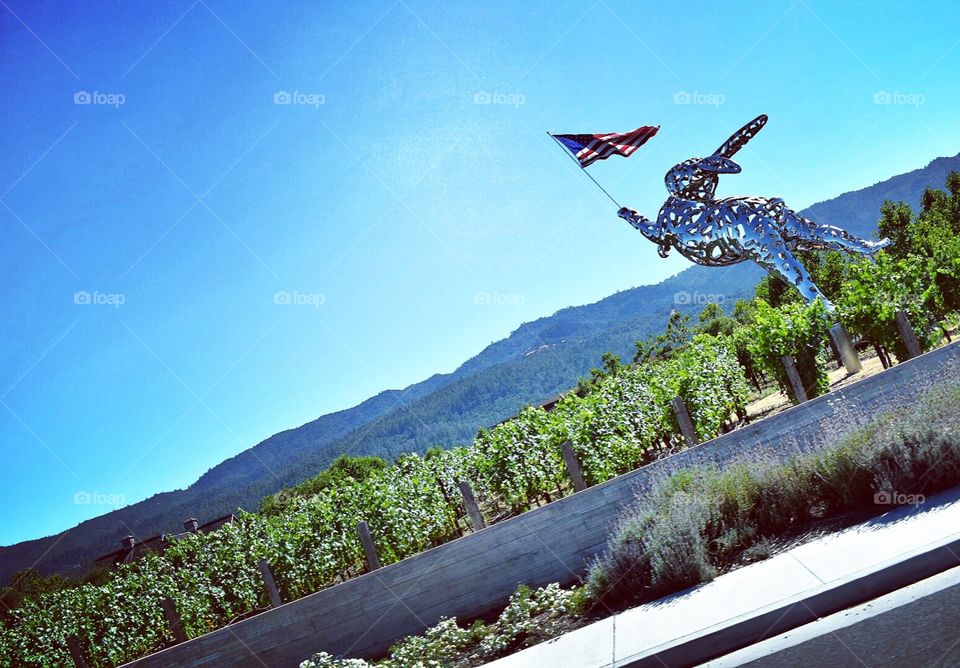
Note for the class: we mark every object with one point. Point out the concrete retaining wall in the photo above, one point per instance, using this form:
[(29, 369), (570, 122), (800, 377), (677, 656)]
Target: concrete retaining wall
[(477, 573)]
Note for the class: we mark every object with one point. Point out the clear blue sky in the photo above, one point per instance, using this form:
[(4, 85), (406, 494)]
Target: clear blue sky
[(383, 190)]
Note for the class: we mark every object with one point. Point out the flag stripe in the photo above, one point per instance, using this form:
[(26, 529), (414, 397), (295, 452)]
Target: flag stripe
[(589, 148)]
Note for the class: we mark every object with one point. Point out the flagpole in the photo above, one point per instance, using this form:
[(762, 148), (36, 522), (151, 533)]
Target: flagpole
[(582, 169)]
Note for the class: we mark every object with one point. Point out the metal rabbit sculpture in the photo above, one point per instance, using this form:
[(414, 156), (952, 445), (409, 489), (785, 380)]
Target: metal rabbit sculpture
[(718, 232)]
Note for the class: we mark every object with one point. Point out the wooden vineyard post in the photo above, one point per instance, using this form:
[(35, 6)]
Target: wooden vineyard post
[(270, 584), (686, 424), (173, 618), (796, 384), (908, 335), (369, 549), (470, 501), (73, 644), (573, 467)]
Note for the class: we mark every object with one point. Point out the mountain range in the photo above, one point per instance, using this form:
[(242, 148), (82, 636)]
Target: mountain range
[(536, 362)]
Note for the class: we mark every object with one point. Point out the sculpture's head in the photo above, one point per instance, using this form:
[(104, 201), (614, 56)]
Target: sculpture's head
[(697, 178)]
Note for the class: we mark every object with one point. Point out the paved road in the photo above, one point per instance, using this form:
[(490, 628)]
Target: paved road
[(914, 627)]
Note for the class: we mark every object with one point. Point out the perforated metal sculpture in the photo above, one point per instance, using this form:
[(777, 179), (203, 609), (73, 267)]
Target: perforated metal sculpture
[(719, 232)]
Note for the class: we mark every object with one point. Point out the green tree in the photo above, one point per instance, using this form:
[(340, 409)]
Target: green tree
[(678, 331), (918, 274), (896, 221), (775, 292), (744, 311), (30, 584), (827, 269), (797, 330), (343, 468), (676, 334), (873, 293), (713, 321)]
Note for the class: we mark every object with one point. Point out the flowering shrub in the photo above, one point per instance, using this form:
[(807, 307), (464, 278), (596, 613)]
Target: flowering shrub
[(447, 644)]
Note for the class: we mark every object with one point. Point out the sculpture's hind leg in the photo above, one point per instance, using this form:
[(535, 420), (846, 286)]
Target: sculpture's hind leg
[(773, 255), (811, 236)]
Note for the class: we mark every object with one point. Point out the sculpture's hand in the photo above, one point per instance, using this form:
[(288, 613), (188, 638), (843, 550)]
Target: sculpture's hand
[(648, 229)]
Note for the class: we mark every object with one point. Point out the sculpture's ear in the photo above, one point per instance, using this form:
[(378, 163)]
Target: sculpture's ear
[(719, 165), (740, 138)]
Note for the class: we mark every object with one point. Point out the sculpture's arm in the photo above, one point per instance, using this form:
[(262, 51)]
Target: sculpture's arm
[(642, 223), (647, 228)]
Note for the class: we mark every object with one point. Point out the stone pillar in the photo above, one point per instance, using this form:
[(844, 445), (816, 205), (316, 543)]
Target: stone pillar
[(848, 354)]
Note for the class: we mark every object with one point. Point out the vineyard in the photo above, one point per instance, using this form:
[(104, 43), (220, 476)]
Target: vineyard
[(311, 542), (619, 420)]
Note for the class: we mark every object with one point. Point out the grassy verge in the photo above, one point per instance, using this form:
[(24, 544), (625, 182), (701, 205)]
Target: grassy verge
[(700, 522)]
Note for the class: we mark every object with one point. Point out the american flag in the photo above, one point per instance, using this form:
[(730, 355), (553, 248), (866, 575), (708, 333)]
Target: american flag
[(589, 148)]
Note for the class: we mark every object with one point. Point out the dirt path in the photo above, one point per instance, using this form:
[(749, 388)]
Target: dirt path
[(777, 401)]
